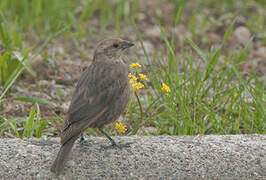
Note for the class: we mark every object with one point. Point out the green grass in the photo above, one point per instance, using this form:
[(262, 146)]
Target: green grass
[(206, 100), (33, 125), (215, 99), (209, 95)]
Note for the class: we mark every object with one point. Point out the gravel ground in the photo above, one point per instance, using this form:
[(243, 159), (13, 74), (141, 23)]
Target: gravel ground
[(149, 157)]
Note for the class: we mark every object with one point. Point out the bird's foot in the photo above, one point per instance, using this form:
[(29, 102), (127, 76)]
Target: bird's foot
[(114, 144), (84, 140)]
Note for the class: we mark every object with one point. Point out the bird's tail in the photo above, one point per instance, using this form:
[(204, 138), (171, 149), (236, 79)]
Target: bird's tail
[(63, 155)]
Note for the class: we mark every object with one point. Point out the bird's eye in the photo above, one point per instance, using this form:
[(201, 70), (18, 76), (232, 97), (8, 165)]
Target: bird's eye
[(115, 45)]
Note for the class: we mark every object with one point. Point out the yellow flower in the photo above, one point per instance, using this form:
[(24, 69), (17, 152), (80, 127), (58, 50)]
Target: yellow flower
[(120, 127), (135, 65), (137, 86), (166, 88), (134, 78), (131, 81), (142, 76)]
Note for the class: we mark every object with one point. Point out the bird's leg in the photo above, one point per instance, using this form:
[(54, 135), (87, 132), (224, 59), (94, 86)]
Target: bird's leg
[(114, 144), (106, 135)]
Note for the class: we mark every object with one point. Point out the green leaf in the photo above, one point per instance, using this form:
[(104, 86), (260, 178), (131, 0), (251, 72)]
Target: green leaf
[(20, 57), (29, 125), (39, 124), (33, 100)]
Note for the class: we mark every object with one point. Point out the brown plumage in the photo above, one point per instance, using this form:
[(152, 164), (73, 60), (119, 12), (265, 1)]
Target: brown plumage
[(101, 95)]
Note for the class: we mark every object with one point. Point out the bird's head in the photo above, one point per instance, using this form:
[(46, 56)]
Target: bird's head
[(112, 48)]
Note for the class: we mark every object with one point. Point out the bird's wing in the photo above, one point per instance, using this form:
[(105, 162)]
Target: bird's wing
[(97, 88)]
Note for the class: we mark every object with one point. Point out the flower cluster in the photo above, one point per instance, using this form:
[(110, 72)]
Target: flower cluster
[(120, 128), (134, 80), (135, 65), (166, 88), (142, 76)]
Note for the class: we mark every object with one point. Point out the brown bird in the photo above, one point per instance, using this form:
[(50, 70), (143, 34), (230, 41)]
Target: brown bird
[(101, 95)]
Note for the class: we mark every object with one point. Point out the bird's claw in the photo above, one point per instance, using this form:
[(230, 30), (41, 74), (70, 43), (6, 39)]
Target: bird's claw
[(84, 140)]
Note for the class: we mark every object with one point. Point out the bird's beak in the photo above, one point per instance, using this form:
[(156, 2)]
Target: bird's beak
[(126, 44)]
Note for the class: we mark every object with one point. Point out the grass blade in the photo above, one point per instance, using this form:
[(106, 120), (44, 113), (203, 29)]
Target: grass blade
[(29, 125), (228, 32), (197, 49), (33, 100), (213, 62)]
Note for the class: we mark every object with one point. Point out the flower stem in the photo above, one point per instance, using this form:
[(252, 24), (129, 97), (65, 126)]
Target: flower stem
[(140, 106)]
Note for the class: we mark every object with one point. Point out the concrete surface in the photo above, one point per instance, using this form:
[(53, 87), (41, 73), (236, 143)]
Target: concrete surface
[(149, 157)]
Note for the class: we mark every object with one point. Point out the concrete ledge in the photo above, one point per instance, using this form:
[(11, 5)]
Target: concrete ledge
[(149, 157)]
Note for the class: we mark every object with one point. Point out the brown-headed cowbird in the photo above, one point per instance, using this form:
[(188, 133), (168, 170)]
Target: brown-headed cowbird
[(101, 95)]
